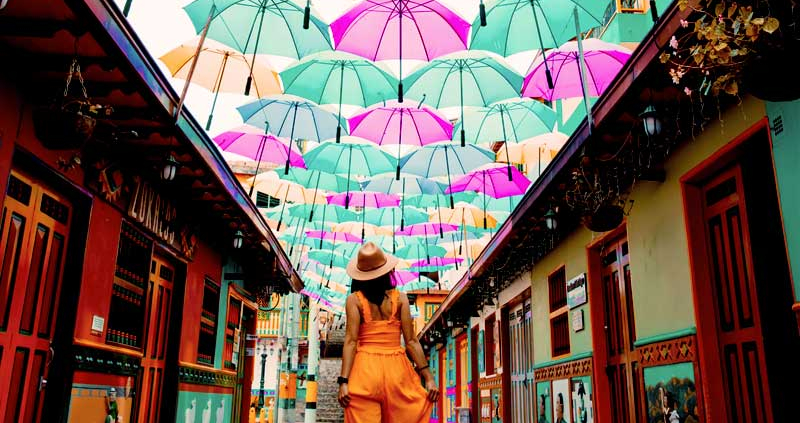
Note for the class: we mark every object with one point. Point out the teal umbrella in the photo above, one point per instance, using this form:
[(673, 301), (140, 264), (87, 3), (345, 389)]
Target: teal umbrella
[(319, 180), (324, 213), (513, 26), (423, 282), (330, 258), (420, 252), (332, 77), (427, 201), (507, 204), (390, 216), (466, 78), (391, 243)]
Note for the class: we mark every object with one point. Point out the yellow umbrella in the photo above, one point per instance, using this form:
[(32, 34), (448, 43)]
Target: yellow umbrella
[(222, 69), (537, 151), (269, 183), (362, 229), (464, 214), (474, 249)]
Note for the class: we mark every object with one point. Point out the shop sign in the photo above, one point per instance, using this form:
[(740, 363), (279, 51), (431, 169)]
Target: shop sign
[(577, 320), (576, 291)]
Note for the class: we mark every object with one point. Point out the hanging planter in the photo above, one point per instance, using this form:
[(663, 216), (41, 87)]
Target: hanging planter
[(604, 219), (68, 122)]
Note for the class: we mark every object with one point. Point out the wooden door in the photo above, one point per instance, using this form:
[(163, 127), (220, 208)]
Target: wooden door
[(621, 366), (736, 305), (34, 229), (157, 318), (521, 363), (462, 379)]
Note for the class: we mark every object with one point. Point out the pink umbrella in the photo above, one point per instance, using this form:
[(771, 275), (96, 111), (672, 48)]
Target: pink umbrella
[(333, 236), (401, 123), (427, 229), (603, 61), (402, 277), (492, 180), (375, 29), (436, 262), (364, 199)]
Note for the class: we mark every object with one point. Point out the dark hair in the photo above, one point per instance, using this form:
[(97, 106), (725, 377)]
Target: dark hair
[(671, 402), (375, 289)]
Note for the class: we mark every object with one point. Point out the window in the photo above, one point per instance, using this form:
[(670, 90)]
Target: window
[(489, 341), (230, 353), (126, 316), (430, 309), (559, 312), (264, 200), (207, 342)]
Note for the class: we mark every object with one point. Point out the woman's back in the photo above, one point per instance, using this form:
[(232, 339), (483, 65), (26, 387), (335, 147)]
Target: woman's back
[(380, 325)]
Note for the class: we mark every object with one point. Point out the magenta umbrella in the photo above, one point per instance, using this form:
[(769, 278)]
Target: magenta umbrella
[(364, 199), (492, 180), (427, 229), (401, 123), (603, 62), (436, 262), (375, 29), (257, 144), (402, 277)]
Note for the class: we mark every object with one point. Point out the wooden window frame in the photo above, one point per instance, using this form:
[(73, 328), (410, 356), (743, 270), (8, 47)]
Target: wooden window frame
[(558, 311), (489, 342), (209, 321)]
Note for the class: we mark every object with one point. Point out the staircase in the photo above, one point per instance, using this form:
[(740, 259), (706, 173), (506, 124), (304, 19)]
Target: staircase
[(328, 408)]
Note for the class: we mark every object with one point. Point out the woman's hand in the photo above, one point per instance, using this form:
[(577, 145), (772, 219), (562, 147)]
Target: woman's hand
[(432, 388), (344, 395)]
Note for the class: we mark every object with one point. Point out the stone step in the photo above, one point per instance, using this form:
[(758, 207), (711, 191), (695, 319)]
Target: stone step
[(328, 409)]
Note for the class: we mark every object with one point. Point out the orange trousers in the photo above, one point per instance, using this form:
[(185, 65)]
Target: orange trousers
[(384, 388)]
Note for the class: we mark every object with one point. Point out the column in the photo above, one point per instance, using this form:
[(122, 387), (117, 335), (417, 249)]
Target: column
[(313, 364)]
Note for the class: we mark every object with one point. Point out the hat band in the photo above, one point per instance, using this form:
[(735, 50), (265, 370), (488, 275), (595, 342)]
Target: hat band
[(373, 268)]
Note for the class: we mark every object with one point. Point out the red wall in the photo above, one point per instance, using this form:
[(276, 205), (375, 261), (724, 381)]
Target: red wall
[(206, 262)]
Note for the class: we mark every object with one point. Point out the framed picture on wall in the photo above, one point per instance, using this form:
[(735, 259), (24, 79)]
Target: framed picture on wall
[(561, 402)]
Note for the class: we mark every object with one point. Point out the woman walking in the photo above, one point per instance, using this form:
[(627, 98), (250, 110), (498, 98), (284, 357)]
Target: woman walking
[(377, 383)]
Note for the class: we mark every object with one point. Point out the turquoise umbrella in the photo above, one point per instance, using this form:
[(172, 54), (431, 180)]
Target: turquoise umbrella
[(427, 201), (422, 283), (324, 212), (507, 204), (420, 252), (466, 78), (331, 77), (514, 26), (390, 216), (407, 185), (330, 258), (391, 243), (319, 180), (290, 117)]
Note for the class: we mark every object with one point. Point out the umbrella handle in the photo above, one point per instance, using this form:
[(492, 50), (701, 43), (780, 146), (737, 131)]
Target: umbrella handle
[(463, 136), (208, 122), (247, 86), (311, 215), (339, 134), (397, 174), (549, 78), (399, 92), (452, 203), (653, 10), (402, 224), (482, 10), (510, 178), (307, 15)]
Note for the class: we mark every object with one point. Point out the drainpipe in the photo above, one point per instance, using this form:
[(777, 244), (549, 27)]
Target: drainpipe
[(313, 364)]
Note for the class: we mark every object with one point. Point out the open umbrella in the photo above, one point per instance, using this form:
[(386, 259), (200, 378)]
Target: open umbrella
[(221, 69), (287, 192), (402, 277), (330, 258), (375, 29), (332, 77), (333, 236), (603, 61), (290, 117), (465, 214), (390, 216), (491, 180), (420, 283), (332, 213), (420, 252), (401, 124), (365, 199), (504, 205), (427, 201), (427, 229), (539, 151), (466, 78), (445, 160), (319, 180)]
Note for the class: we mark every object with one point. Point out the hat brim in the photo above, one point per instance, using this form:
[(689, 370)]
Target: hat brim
[(354, 272)]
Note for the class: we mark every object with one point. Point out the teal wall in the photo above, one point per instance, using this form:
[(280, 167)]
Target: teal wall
[(196, 403), (231, 267), (630, 27), (786, 150)]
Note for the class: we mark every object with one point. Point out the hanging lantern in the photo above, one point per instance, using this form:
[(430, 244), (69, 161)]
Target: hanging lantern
[(651, 121), (238, 239), (551, 220), (170, 168)]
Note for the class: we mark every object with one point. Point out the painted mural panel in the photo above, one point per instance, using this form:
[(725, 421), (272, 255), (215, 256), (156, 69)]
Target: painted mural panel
[(204, 407), (101, 398), (497, 406), (543, 409), (561, 404), (671, 394), (582, 409), (481, 357)]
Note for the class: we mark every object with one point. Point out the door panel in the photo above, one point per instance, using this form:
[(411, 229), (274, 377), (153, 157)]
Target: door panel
[(736, 308), (521, 366), (33, 234)]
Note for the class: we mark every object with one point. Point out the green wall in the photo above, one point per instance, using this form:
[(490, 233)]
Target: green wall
[(786, 150), (630, 27), (196, 403)]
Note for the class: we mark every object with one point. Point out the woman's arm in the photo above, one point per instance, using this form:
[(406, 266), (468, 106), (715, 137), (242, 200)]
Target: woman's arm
[(349, 348), (415, 349)]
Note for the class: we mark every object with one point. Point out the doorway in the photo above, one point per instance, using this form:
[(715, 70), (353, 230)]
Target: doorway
[(34, 232), (521, 363)]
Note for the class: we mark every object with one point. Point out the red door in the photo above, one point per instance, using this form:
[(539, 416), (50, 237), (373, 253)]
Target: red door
[(736, 305), (34, 227), (621, 366), (157, 315)]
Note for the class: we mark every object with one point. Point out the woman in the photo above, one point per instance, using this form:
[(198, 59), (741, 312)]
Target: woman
[(377, 383)]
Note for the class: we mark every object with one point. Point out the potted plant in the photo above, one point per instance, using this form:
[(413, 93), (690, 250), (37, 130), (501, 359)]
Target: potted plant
[(69, 121)]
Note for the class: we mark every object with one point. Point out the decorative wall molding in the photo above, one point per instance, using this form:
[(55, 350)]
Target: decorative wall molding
[(678, 350), (566, 370), (101, 361), (493, 382), (205, 377)]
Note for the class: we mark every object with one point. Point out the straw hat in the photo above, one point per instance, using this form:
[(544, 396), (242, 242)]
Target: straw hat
[(370, 263)]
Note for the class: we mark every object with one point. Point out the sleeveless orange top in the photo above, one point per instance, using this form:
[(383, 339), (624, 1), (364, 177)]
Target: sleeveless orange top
[(379, 336)]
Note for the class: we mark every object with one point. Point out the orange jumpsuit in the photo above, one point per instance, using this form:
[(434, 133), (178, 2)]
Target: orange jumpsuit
[(383, 386)]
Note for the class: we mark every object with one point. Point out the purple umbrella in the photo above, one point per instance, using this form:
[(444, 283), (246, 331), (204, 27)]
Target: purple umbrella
[(603, 61), (427, 229), (257, 144), (333, 236), (375, 29), (401, 123), (364, 199), (492, 180), (436, 262), (402, 277)]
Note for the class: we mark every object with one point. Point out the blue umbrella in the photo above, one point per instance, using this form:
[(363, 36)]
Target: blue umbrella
[(290, 117)]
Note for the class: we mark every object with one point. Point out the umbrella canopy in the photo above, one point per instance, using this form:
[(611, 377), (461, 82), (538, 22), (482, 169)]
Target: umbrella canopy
[(328, 257), (435, 262), (402, 277), (536, 152), (253, 143), (364, 199), (390, 216), (492, 180), (269, 183), (333, 77), (407, 29), (322, 212), (365, 229), (509, 121), (426, 201), (466, 78), (350, 159), (261, 26), (504, 205), (464, 214), (426, 229), (401, 123), (419, 252), (421, 283), (333, 236), (407, 185), (603, 61), (514, 26), (319, 180)]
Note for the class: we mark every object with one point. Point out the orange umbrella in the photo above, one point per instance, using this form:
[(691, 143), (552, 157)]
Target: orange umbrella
[(536, 152), (222, 69)]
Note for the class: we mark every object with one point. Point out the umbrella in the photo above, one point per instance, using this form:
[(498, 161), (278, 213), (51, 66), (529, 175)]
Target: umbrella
[(466, 78), (364, 199), (419, 252), (427, 229), (329, 258), (421, 283), (492, 181), (319, 180), (366, 229), (333, 213), (402, 277), (336, 77), (445, 160), (220, 69), (375, 29), (436, 262), (465, 214), (270, 184), (407, 185), (290, 117), (427, 201), (333, 236), (255, 144), (390, 124), (391, 243), (603, 62), (504, 205), (390, 216), (540, 149), (244, 24)]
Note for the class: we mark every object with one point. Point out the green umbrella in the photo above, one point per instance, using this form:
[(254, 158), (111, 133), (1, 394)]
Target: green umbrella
[(390, 216), (426, 201), (391, 243), (330, 258), (324, 212), (331, 77), (420, 252), (466, 78), (507, 204), (423, 282), (319, 180)]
